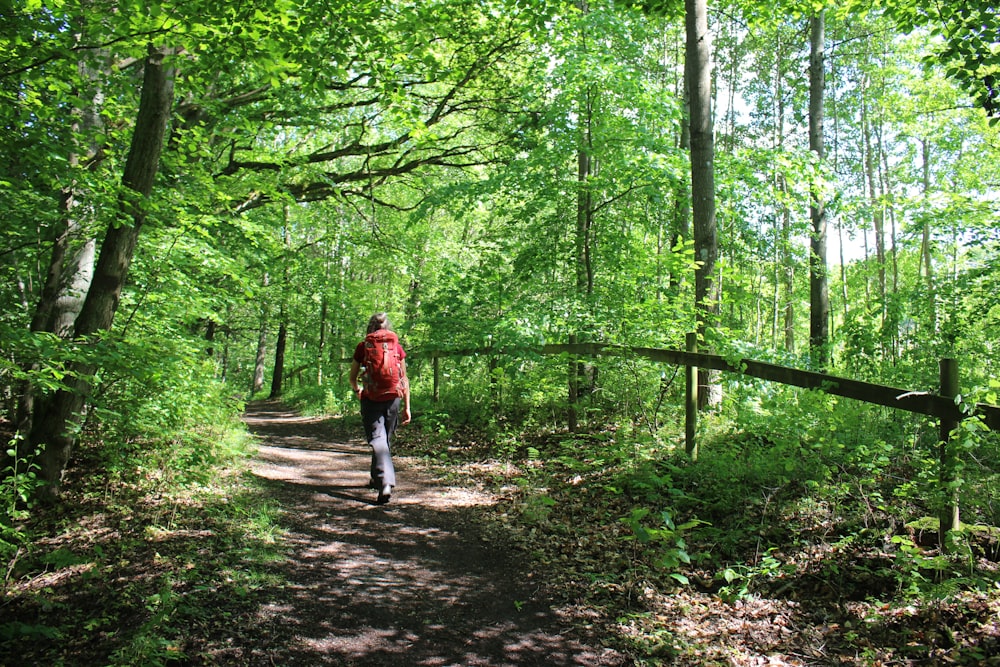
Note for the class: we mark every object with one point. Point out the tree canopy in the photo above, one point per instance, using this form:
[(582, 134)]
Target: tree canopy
[(326, 159)]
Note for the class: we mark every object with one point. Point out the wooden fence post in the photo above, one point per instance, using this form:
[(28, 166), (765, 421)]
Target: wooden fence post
[(437, 377), (573, 389), (948, 460), (691, 401)]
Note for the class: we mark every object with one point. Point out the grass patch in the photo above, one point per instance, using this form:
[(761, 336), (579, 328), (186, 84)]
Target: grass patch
[(125, 568)]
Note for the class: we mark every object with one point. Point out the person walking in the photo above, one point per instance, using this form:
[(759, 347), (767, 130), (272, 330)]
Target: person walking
[(384, 386)]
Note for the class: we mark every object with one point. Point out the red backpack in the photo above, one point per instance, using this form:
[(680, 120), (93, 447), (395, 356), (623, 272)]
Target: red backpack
[(383, 365)]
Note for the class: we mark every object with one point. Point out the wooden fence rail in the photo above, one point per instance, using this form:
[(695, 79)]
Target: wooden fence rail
[(921, 402)]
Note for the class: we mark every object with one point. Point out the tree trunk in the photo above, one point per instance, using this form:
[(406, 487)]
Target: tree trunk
[(224, 361), (584, 221), (783, 305), (819, 296), (843, 272), (584, 274), (878, 217), (58, 416), (59, 304), (257, 383), (698, 72), (573, 389), (210, 329), (682, 198), (844, 294), (278, 373), (788, 275), (71, 263), (890, 213), (925, 243), (785, 244), (584, 267), (321, 347), (776, 286)]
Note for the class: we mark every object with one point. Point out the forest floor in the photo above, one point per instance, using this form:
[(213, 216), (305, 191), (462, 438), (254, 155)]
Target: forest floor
[(469, 565)]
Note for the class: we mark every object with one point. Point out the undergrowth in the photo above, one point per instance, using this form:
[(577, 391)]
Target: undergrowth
[(113, 574), (797, 496)]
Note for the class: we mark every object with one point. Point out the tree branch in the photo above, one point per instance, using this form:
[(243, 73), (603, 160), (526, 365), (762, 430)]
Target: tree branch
[(60, 54)]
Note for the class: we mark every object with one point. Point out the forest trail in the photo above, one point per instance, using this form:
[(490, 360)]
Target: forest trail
[(408, 583)]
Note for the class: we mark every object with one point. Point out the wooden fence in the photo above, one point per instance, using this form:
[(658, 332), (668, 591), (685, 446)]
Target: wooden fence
[(943, 406)]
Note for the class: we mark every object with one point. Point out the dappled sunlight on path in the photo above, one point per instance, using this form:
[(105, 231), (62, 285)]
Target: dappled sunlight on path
[(409, 583)]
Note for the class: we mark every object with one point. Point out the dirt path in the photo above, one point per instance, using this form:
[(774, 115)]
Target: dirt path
[(408, 583)]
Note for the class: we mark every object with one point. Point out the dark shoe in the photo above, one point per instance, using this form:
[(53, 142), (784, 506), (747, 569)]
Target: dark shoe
[(372, 484), (384, 495)]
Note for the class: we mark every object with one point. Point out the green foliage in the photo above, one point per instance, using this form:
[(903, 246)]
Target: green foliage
[(328, 160), (163, 407), (966, 43), (740, 580), (18, 482), (916, 570), (38, 359), (16, 630), (664, 541), (148, 645), (537, 508)]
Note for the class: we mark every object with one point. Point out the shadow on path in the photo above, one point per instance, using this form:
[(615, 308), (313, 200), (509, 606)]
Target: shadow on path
[(401, 584)]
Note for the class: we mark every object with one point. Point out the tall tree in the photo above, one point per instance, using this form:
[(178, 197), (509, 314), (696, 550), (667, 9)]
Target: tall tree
[(926, 259), (698, 70), (281, 344), (52, 429), (260, 358), (819, 296)]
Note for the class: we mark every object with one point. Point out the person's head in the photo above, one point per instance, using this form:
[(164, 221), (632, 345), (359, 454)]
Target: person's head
[(378, 321)]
